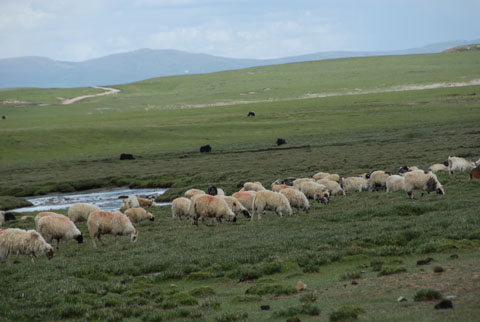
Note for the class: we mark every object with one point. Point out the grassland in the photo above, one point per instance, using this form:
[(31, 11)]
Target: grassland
[(359, 251)]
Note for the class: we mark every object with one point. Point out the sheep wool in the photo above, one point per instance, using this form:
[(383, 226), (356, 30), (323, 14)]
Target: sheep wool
[(81, 211), (395, 183), (192, 192), (456, 164), (424, 181), (253, 186), (146, 202), (138, 214), (332, 186), (245, 198), (355, 183), (181, 208), (320, 175), (378, 180), (58, 227), (207, 206), (236, 206), (131, 202), (42, 214), (315, 191), (115, 223), (269, 200), (23, 242), (297, 199), (278, 187), (438, 167)]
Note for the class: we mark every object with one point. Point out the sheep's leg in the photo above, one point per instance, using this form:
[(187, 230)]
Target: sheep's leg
[(58, 242), (100, 239), (116, 239), (410, 194), (33, 257)]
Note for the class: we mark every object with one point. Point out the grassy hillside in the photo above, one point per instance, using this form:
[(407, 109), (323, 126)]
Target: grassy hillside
[(359, 251)]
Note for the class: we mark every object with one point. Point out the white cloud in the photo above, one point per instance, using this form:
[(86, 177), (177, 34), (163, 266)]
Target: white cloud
[(20, 15)]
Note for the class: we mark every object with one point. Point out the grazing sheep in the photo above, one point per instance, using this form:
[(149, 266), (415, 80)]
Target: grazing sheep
[(236, 206), (181, 208), (456, 164), (315, 191), (206, 206), (333, 186), (287, 181), (354, 183), (42, 214), (23, 242), (115, 223), (245, 198), (320, 175), (131, 202), (214, 191), (269, 200), (58, 227), (192, 192), (81, 211), (474, 174), (146, 202), (205, 148), (278, 187), (421, 180), (5, 216), (296, 199), (405, 169), (377, 180), (298, 182), (253, 186), (438, 167), (395, 183), (137, 215), (281, 141)]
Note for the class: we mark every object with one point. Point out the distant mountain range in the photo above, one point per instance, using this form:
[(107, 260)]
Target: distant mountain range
[(147, 63)]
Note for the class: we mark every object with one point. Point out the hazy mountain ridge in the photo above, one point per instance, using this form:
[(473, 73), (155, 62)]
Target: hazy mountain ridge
[(142, 64)]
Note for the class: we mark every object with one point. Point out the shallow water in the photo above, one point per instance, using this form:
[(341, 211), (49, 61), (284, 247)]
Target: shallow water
[(106, 199)]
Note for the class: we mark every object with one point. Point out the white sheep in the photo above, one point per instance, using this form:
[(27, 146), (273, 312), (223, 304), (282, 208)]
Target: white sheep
[(42, 214), (269, 200), (395, 183), (299, 181), (320, 175), (355, 183), (192, 192), (252, 186), (438, 167), (207, 206), (421, 180), (23, 242), (115, 223), (58, 227), (146, 202), (81, 211), (332, 186), (278, 187), (137, 215), (236, 206), (131, 202), (296, 199), (456, 164), (181, 208), (405, 169), (315, 191), (378, 180), (245, 198)]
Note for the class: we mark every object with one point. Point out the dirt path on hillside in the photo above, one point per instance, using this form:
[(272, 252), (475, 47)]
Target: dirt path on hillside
[(108, 91), (357, 91)]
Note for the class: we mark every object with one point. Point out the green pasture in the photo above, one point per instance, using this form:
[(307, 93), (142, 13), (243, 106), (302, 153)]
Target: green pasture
[(357, 255)]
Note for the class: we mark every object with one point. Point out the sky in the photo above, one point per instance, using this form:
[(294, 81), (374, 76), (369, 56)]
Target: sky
[(77, 30)]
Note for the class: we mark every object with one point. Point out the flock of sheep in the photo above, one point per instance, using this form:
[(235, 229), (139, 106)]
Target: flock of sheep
[(253, 199)]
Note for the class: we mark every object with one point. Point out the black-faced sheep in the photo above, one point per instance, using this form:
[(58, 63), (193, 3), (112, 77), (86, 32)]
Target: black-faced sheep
[(206, 206), (245, 198), (137, 215), (405, 169), (236, 206), (269, 200), (354, 183), (424, 181), (58, 227), (332, 186), (23, 242), (5, 216), (81, 211), (395, 183), (296, 199), (214, 191), (315, 191), (115, 223), (192, 192), (181, 208), (456, 164)]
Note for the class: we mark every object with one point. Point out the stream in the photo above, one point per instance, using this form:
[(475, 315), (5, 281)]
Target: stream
[(106, 199)]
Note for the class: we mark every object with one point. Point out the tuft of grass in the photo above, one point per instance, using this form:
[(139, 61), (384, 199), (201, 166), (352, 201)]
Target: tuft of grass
[(232, 317), (391, 270), (346, 313), (202, 291), (427, 295), (350, 276), (246, 299), (272, 289)]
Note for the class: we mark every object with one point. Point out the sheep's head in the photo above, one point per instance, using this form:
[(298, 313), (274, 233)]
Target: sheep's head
[(49, 252), (434, 185), (151, 217), (133, 236), (79, 238)]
